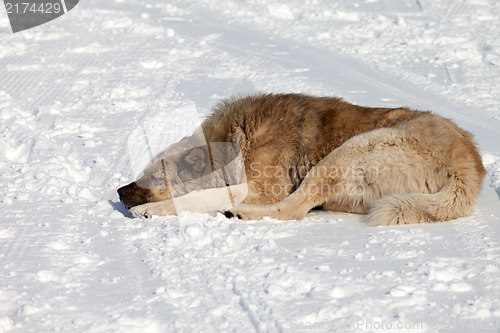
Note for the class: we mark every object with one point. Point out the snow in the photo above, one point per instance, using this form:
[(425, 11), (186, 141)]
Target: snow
[(79, 95)]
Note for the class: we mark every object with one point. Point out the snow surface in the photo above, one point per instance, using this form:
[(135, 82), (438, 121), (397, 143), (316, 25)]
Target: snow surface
[(73, 91)]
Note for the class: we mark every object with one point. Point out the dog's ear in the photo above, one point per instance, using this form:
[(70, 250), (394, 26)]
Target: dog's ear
[(194, 164)]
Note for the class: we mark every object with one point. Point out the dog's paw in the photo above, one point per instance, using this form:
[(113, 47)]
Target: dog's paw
[(161, 208), (141, 212), (229, 214)]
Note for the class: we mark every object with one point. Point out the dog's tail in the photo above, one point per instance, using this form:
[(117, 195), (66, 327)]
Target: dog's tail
[(455, 199)]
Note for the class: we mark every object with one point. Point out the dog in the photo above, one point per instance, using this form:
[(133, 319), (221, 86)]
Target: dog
[(282, 155)]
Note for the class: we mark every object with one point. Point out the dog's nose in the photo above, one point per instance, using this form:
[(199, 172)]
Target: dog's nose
[(121, 191)]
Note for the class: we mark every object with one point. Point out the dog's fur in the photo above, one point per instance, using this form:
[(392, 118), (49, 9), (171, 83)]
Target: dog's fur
[(399, 165)]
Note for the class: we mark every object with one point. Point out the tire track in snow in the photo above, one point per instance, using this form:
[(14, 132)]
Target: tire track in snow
[(457, 8)]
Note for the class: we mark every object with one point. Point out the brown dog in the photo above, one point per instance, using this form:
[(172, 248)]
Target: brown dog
[(289, 153)]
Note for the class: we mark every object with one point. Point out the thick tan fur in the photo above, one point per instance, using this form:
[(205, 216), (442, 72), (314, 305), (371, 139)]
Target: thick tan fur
[(399, 166)]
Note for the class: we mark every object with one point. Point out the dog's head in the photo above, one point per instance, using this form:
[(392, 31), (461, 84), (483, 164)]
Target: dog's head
[(167, 176)]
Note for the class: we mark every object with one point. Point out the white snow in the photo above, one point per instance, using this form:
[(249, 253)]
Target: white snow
[(77, 95)]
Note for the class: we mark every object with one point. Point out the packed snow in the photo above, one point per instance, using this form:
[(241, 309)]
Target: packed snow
[(77, 92)]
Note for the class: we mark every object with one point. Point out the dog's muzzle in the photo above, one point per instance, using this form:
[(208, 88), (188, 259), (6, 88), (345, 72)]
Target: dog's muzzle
[(133, 195)]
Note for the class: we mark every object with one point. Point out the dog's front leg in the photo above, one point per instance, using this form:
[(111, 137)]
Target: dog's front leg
[(204, 201)]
